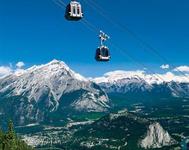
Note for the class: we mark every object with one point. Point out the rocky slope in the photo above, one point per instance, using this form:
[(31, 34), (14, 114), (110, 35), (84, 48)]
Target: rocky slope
[(33, 94), (156, 137)]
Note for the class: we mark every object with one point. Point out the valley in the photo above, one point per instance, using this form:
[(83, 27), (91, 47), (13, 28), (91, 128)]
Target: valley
[(169, 113), (54, 107)]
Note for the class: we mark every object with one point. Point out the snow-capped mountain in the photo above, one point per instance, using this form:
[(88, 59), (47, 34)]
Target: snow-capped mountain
[(49, 88), (156, 137), (140, 81), (115, 76)]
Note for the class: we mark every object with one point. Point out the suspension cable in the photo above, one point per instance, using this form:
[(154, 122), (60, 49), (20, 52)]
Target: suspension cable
[(146, 46), (94, 29), (134, 59)]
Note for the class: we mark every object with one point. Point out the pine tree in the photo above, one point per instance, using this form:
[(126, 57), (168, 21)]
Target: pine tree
[(1, 138), (11, 137), (9, 140)]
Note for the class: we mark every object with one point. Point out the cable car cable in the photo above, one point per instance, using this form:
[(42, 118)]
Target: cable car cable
[(59, 3), (126, 29), (94, 29)]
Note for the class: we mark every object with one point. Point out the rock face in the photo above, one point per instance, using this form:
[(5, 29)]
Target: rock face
[(156, 137), (32, 94)]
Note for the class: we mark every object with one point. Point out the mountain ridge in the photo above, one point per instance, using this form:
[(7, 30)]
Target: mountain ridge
[(154, 78), (49, 88), (139, 82)]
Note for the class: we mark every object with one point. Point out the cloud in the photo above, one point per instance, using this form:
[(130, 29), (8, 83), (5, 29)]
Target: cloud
[(20, 64), (182, 69), (164, 66), (4, 71), (19, 70)]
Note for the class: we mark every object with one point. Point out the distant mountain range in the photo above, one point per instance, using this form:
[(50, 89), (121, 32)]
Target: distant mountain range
[(128, 82), (39, 92)]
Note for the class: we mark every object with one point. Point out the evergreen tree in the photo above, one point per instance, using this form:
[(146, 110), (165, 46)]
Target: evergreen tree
[(11, 137), (10, 141), (1, 138)]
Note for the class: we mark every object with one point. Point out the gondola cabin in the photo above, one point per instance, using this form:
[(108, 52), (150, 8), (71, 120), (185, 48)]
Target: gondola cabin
[(102, 54), (74, 11)]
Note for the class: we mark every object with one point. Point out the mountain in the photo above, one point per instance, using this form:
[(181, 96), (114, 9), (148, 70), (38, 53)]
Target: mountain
[(36, 94), (139, 82), (156, 137), (122, 130)]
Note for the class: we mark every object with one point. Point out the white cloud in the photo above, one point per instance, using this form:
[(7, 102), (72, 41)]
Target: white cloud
[(19, 70), (182, 69), (164, 66), (20, 64), (4, 71)]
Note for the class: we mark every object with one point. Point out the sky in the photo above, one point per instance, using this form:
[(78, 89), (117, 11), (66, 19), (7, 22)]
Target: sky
[(36, 32)]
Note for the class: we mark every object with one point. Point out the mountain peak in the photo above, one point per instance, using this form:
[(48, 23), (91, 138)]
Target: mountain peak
[(57, 62), (52, 76), (52, 68), (52, 87)]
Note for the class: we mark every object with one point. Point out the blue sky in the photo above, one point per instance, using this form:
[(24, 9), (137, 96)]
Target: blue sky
[(35, 32)]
